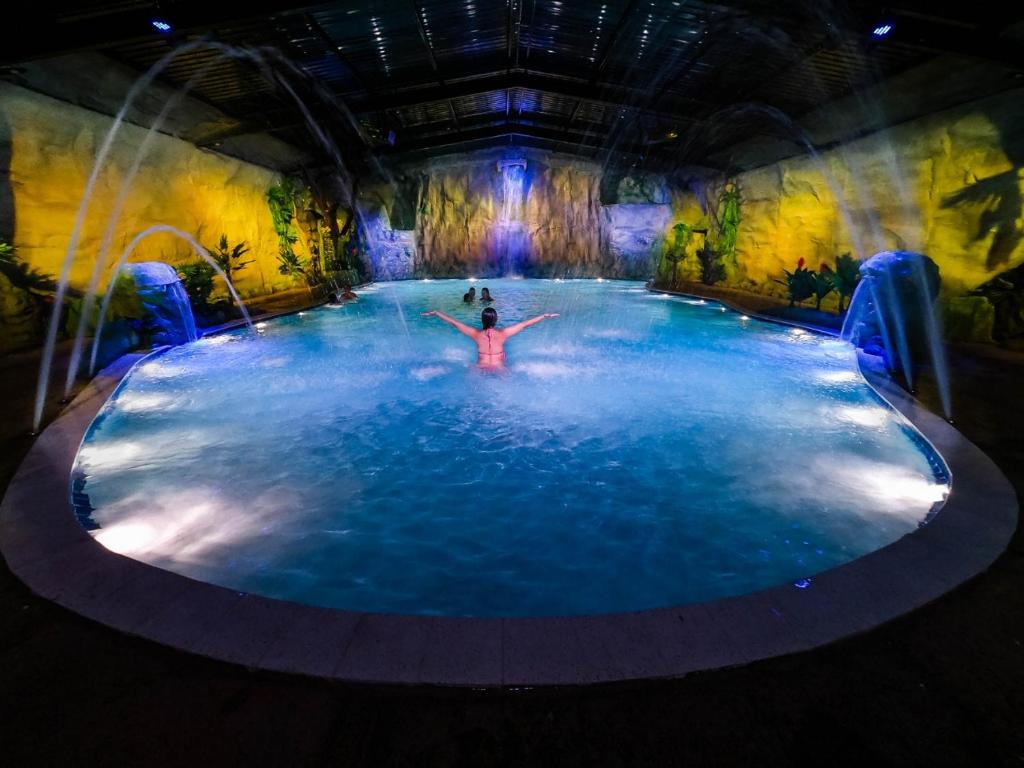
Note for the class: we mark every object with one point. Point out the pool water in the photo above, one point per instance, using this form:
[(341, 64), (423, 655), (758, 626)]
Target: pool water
[(640, 451)]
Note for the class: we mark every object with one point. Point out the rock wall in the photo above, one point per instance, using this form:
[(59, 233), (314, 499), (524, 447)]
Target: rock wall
[(47, 148), (559, 227), (461, 227), (634, 236), (391, 251), (949, 185)]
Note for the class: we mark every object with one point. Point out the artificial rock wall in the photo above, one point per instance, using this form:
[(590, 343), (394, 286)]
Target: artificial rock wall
[(949, 185), (560, 229), (47, 149)]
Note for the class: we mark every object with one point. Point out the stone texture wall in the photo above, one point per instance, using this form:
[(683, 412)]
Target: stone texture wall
[(459, 217), (949, 185), (561, 228), (47, 148)]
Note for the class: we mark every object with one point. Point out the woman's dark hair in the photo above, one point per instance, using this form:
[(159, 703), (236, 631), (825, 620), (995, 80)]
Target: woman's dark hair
[(489, 317)]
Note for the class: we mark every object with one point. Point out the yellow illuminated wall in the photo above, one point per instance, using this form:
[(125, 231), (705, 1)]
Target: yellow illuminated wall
[(948, 185), (51, 147)]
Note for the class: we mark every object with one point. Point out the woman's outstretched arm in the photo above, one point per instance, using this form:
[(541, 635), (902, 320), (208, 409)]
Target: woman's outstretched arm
[(461, 327), (512, 330)]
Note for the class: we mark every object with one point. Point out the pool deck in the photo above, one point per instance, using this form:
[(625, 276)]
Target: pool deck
[(49, 551)]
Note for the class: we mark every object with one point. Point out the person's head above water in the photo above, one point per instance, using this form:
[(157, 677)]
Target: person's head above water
[(489, 318), (485, 295)]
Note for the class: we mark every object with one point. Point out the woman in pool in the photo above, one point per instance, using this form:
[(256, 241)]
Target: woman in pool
[(490, 342), (485, 296)]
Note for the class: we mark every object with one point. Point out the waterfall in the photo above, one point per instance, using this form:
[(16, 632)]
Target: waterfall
[(512, 242), (168, 311), (894, 310)]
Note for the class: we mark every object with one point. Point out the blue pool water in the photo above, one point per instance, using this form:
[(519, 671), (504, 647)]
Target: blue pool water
[(641, 451)]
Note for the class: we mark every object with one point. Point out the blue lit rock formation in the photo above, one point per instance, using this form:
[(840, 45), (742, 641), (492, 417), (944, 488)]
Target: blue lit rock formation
[(168, 312)]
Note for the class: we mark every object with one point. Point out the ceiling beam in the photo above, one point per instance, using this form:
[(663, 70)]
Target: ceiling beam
[(418, 12), (496, 130), (600, 93)]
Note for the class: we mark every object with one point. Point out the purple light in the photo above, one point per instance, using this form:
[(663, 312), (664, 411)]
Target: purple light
[(163, 26), (882, 30)]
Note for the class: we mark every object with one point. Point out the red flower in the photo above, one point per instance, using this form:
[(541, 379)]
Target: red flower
[(800, 264), (825, 267)]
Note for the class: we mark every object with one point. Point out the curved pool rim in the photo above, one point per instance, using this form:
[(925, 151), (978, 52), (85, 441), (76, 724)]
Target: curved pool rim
[(48, 549)]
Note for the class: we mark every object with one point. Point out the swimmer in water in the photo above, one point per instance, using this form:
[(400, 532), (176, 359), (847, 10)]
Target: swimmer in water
[(485, 296), (469, 297), (490, 342)]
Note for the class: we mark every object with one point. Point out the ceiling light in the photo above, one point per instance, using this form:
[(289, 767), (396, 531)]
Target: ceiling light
[(163, 26), (882, 30)]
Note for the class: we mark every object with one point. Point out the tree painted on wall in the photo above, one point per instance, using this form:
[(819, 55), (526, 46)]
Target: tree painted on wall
[(728, 213), (675, 252), (281, 200)]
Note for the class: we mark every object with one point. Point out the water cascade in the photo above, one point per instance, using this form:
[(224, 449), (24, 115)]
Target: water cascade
[(894, 311), (169, 317), (196, 248), (512, 241)]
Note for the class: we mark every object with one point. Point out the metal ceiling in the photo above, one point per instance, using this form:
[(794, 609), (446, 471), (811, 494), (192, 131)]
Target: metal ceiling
[(637, 77)]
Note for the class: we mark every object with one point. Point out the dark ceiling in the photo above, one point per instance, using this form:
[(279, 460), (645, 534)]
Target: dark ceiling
[(639, 78)]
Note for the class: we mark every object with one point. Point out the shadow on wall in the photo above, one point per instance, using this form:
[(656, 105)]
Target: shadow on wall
[(1000, 194)]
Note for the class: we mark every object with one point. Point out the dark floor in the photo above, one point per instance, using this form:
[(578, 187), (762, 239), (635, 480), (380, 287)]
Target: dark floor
[(943, 686)]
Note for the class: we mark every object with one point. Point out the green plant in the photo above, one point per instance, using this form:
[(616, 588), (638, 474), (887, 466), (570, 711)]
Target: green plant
[(845, 277), (125, 304), (675, 250), (800, 283), (729, 202), (711, 268), (23, 276), (823, 284), (281, 200), (289, 263), (229, 259), (197, 277)]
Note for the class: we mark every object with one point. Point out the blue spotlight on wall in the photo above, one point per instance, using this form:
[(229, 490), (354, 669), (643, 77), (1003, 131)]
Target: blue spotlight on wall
[(163, 26), (882, 30)]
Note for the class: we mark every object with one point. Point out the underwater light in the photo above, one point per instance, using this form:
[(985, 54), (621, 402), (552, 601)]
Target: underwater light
[(600, 279), (472, 279), (163, 26), (744, 317), (882, 30), (302, 314)]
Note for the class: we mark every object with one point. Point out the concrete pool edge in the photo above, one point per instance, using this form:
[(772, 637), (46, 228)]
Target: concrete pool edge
[(48, 550)]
